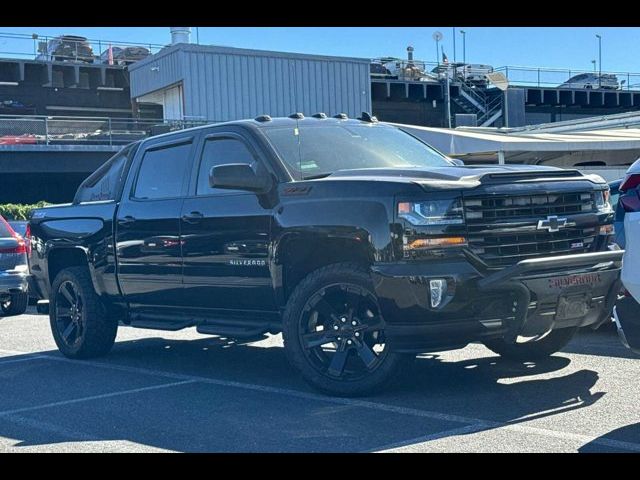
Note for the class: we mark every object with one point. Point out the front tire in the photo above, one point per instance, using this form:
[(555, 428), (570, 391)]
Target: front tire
[(536, 349), (15, 305), (79, 322), (333, 332)]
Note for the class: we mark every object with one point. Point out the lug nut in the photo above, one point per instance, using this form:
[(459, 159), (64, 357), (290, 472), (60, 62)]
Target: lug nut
[(354, 323), (343, 319), (349, 342), (335, 327), (339, 338), (357, 334)]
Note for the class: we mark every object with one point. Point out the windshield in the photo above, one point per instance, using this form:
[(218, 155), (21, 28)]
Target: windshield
[(315, 151)]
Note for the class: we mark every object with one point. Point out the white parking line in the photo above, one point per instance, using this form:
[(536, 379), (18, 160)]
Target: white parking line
[(434, 436), (93, 397), (472, 422)]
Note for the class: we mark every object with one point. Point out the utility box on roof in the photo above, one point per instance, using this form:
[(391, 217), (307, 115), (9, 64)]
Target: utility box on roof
[(210, 83)]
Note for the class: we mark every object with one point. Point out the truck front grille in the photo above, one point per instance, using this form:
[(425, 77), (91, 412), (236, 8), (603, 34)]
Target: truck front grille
[(502, 230)]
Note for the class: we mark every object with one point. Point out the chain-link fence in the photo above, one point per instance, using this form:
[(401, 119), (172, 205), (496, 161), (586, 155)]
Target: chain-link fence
[(40, 130)]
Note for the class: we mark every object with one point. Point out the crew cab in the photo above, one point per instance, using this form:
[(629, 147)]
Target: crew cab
[(363, 245)]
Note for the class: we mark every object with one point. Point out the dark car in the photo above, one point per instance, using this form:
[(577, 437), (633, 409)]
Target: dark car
[(14, 271), (125, 55), (68, 48), (361, 244)]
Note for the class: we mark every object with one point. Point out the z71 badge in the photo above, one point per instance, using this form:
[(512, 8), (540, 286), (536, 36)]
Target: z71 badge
[(248, 263)]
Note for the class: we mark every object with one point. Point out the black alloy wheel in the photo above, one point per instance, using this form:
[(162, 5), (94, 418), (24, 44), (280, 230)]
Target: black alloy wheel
[(69, 313), (342, 333)]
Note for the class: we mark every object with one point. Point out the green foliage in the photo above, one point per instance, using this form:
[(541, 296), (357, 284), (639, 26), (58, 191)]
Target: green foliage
[(16, 211)]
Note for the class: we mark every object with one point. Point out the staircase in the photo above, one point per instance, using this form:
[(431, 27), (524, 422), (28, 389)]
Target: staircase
[(472, 100)]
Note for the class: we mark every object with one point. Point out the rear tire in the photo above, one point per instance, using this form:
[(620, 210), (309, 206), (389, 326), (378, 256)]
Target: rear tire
[(334, 333), (79, 321), (16, 305), (534, 349)]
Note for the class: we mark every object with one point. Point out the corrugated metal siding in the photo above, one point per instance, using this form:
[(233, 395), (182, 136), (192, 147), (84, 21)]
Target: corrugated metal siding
[(228, 84), (144, 80)]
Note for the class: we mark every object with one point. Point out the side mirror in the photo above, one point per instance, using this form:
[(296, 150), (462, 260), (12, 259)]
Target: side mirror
[(239, 176)]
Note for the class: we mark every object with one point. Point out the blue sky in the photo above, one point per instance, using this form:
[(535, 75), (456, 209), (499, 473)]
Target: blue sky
[(558, 47)]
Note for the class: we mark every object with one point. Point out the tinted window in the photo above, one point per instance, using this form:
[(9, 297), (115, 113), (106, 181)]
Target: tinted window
[(219, 152), (104, 182), (5, 230), (162, 172), (19, 227), (320, 150)]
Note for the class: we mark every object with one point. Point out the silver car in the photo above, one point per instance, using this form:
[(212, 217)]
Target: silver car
[(606, 81), (14, 271)]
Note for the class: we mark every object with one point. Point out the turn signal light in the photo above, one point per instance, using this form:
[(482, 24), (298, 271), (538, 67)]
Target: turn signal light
[(436, 243)]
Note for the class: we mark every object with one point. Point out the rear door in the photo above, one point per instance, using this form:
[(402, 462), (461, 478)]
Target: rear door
[(148, 246), (226, 233)]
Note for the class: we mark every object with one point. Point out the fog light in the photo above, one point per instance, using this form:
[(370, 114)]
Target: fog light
[(607, 230), (438, 289)]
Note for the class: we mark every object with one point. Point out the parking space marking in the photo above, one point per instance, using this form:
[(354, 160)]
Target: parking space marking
[(470, 421), (93, 397), (434, 436)]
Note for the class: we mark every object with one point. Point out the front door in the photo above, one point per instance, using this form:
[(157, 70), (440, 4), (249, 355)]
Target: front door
[(225, 235), (148, 246)]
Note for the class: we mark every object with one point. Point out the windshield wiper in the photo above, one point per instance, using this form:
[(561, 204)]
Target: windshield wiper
[(315, 177)]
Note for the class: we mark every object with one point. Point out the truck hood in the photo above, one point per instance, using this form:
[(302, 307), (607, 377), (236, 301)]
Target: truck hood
[(463, 177)]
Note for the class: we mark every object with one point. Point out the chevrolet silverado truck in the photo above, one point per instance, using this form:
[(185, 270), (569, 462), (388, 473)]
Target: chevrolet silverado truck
[(358, 242)]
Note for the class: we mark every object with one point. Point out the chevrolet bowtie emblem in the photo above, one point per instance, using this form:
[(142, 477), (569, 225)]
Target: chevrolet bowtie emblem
[(552, 223)]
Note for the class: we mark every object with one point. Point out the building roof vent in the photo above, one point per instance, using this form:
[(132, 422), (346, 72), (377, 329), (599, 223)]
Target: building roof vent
[(180, 35)]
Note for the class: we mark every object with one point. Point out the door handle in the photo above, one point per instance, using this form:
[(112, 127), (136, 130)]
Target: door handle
[(128, 220), (193, 217)]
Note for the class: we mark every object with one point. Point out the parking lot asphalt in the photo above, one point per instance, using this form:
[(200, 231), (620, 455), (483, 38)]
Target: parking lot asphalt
[(184, 392)]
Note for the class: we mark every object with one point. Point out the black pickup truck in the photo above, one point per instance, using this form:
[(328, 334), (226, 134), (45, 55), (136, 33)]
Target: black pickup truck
[(357, 241)]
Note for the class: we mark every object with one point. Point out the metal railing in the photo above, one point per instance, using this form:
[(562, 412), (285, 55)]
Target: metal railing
[(517, 75), (554, 77), (80, 50), (43, 130)]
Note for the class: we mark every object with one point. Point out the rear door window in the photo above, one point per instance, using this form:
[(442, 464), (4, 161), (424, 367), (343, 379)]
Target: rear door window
[(162, 172), (4, 230), (104, 182)]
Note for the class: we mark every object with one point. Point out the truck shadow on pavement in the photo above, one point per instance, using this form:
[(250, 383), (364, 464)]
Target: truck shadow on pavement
[(210, 395), (615, 440)]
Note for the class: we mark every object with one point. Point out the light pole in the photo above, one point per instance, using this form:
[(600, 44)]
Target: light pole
[(437, 36), (599, 60), (453, 32), (464, 46)]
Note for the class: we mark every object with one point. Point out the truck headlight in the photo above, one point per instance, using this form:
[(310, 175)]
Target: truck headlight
[(603, 201), (432, 212)]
